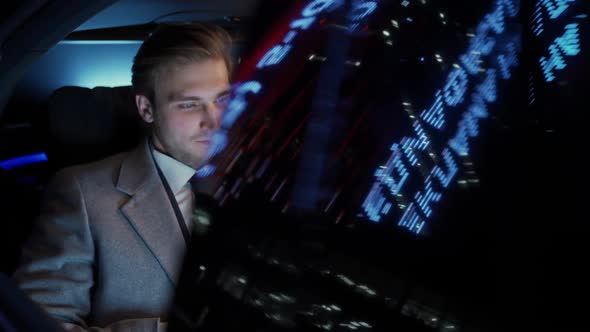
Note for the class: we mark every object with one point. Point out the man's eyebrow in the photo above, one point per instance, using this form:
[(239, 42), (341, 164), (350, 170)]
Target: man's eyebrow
[(175, 98), (183, 98)]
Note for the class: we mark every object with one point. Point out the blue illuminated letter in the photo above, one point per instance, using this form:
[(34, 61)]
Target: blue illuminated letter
[(556, 7), (496, 19), (410, 144), (456, 87), (570, 41), (412, 220), (487, 89), (316, 7), (445, 178), (426, 197), (395, 174), (238, 103), (459, 142), (233, 110), (507, 60), (435, 115), (362, 9), (569, 44), (478, 107), (479, 46), (374, 203), (511, 7), (302, 23), (273, 56)]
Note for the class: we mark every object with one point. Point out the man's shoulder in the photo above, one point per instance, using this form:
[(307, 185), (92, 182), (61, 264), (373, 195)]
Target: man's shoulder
[(107, 168)]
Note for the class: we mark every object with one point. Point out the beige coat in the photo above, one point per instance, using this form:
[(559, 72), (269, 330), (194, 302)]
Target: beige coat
[(107, 249)]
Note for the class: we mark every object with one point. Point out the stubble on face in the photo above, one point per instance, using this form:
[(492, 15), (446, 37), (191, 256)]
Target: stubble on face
[(186, 113)]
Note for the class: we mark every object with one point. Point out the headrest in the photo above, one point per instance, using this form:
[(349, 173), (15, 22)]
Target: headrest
[(89, 124)]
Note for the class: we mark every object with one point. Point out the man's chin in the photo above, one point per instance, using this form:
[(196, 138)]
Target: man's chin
[(197, 162)]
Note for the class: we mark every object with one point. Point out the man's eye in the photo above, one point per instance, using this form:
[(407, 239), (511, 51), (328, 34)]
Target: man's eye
[(189, 106), (223, 100)]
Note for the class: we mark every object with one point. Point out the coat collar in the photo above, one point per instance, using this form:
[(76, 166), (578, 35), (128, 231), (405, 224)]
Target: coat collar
[(149, 210)]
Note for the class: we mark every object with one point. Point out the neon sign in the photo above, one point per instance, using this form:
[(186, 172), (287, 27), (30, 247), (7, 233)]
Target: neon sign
[(309, 14), (274, 56), (564, 47), (468, 83), (568, 45), (555, 7)]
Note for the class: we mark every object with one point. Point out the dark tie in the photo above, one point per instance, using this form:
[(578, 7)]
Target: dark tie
[(204, 207)]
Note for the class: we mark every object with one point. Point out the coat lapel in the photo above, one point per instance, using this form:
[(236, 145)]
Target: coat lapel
[(149, 211)]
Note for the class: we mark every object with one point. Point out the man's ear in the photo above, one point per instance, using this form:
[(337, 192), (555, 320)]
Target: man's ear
[(145, 108)]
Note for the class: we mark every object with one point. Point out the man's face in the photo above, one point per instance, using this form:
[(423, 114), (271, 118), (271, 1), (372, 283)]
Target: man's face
[(189, 102)]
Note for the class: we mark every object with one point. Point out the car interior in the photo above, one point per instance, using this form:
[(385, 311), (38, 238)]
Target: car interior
[(506, 241), (72, 101)]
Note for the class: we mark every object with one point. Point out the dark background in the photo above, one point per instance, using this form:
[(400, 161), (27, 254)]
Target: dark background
[(507, 254)]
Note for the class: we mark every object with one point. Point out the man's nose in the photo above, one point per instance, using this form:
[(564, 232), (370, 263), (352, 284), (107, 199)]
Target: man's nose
[(212, 117)]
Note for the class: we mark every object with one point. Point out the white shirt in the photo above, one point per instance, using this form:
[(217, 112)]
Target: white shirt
[(177, 175)]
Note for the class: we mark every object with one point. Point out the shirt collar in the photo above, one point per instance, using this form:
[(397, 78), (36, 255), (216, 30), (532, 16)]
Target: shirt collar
[(176, 173)]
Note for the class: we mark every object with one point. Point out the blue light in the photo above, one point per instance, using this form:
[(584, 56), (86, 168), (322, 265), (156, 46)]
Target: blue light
[(510, 6), (568, 44), (487, 89), (481, 45), (507, 60), (275, 55), (538, 20), (471, 61), (279, 52), (395, 174), (316, 7), (408, 151), (101, 42), (435, 115), (218, 143), (570, 41), (21, 161), (409, 144), (418, 227), (302, 23), (412, 220), (456, 87), (363, 9), (471, 124), (205, 171), (386, 208), (238, 103), (483, 42), (479, 108), (289, 37), (556, 7), (426, 197), (496, 19), (370, 206), (459, 142), (100, 65), (445, 178), (539, 31), (234, 109)]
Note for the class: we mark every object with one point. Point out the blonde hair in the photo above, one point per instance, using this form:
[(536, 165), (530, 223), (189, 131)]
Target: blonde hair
[(177, 44)]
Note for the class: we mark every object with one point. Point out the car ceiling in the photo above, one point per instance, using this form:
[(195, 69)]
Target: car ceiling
[(80, 64), (147, 11)]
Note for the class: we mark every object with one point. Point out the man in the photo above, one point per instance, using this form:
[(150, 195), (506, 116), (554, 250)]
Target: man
[(112, 234)]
